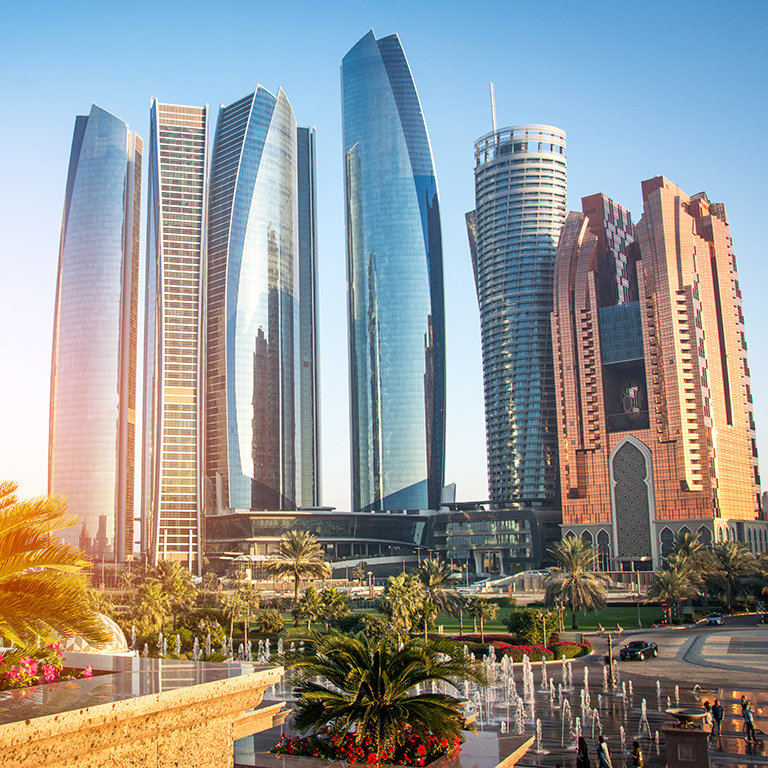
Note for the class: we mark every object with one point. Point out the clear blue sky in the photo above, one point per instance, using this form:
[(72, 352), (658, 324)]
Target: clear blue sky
[(642, 88)]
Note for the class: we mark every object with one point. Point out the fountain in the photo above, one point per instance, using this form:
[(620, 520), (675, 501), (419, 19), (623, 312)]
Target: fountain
[(551, 693), (160, 640), (677, 695), (280, 647), (177, 646), (560, 695), (644, 724), (133, 636), (570, 677), (658, 689), (656, 742), (543, 673), (596, 724), (623, 742), (605, 678), (539, 750), (146, 650), (249, 651), (564, 668), (630, 688), (196, 650), (165, 645), (587, 699), (208, 644), (519, 717), (565, 717)]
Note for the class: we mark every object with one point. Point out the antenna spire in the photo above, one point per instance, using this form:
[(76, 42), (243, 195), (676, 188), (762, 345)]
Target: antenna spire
[(493, 108)]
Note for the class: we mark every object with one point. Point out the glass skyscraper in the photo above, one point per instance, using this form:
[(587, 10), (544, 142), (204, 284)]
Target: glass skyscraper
[(520, 197), (311, 487), (177, 191), (93, 377), (253, 412), (395, 284)]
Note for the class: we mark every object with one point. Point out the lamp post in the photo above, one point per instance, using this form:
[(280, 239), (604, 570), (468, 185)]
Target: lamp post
[(639, 623), (370, 584), (610, 633)]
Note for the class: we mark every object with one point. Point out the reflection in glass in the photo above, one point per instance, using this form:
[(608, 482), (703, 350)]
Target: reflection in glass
[(93, 376), (395, 279)]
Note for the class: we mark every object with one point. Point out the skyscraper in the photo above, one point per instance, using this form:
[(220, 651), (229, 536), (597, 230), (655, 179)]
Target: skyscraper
[(253, 414), (311, 488), (177, 191), (91, 445), (656, 428), (395, 284), (520, 197)]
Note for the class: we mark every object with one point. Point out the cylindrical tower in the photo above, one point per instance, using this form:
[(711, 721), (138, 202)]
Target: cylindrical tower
[(520, 195)]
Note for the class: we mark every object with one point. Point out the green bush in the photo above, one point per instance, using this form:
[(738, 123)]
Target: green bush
[(270, 622), (503, 602), (526, 624), (569, 650), (375, 628)]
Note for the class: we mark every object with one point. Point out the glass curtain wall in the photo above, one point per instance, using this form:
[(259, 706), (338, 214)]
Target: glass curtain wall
[(93, 377), (395, 284), (253, 413)]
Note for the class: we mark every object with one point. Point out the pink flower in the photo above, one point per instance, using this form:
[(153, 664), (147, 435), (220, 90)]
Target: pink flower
[(30, 664), (88, 672), (14, 673), (1, 658), (50, 673)]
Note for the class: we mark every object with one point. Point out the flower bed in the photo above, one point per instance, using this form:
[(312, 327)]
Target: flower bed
[(46, 666), (413, 751)]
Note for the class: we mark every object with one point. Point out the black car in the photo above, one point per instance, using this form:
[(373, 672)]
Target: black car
[(638, 649)]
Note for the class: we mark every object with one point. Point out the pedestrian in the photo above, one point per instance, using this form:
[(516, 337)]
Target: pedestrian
[(749, 724), (743, 705), (707, 719), (637, 755), (603, 754), (582, 754), (718, 713)]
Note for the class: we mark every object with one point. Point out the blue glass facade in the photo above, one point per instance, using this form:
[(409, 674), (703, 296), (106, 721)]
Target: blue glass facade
[(93, 376), (253, 414), (520, 194), (395, 284)]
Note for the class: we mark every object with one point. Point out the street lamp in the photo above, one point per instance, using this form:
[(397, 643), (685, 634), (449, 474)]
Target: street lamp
[(639, 623), (370, 584), (544, 616), (610, 633)]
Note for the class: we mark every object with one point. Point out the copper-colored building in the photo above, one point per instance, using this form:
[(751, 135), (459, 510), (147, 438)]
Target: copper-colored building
[(655, 422)]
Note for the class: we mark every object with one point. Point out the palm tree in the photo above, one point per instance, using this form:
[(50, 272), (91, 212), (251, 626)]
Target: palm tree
[(673, 585), (436, 578), (370, 688), (734, 562), (233, 606), (42, 583), (249, 597), (403, 598), (573, 582), (459, 607), (153, 607), (334, 605), (299, 555), (481, 609), (176, 582), (309, 608)]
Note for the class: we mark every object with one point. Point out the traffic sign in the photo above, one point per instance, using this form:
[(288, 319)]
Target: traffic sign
[(664, 604)]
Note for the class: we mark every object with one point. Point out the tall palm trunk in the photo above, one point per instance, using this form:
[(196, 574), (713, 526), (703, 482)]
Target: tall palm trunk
[(574, 621)]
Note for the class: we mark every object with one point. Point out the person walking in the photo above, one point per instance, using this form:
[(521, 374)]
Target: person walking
[(707, 719), (749, 724), (582, 754), (603, 754), (718, 713), (637, 755)]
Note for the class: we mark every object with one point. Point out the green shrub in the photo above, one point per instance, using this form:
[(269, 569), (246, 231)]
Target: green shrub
[(503, 602), (526, 624), (569, 650), (375, 628), (270, 622)]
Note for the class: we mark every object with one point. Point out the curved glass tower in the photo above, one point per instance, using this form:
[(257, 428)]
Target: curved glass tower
[(253, 383), (93, 375), (520, 196), (395, 284)]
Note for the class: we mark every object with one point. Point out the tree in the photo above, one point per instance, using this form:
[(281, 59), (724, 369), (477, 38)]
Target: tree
[(300, 556), (573, 582), (436, 579), (270, 622), (673, 585), (349, 684), (42, 582), (333, 605), (734, 562), (309, 608), (233, 606), (481, 609), (250, 598), (528, 625), (176, 582), (402, 600), (359, 571), (152, 608), (460, 606)]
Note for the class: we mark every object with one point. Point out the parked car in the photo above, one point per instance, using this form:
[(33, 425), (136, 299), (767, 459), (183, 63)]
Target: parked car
[(639, 649), (715, 620)]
